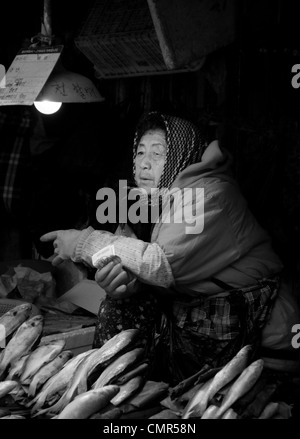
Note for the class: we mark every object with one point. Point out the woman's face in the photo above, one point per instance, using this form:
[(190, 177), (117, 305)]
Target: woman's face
[(150, 159)]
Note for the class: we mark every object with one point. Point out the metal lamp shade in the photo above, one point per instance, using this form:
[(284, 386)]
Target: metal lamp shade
[(69, 87)]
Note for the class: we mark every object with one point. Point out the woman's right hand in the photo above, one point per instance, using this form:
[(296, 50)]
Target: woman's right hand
[(114, 279)]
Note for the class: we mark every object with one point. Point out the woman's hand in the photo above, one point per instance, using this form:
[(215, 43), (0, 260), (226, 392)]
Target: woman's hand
[(114, 279), (64, 242)]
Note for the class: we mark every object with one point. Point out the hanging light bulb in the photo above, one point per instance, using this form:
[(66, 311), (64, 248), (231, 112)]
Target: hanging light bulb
[(47, 107), (62, 85)]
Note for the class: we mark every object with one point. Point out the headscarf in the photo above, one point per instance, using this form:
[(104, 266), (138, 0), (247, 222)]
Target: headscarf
[(185, 144)]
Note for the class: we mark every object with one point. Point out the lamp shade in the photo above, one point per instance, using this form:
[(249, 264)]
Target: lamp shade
[(69, 87)]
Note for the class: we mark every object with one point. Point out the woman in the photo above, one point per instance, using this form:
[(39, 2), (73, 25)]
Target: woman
[(204, 262)]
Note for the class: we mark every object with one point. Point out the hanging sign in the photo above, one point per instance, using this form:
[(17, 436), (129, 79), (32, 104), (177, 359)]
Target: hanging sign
[(27, 75)]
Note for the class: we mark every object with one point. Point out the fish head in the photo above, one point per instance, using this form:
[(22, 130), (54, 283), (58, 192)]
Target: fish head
[(20, 309), (35, 321)]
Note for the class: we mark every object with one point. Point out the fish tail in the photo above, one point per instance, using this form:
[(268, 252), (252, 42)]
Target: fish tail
[(52, 409), (32, 388), (39, 401), (82, 386)]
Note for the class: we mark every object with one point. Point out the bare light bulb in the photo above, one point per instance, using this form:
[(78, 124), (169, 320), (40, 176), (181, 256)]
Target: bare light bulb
[(47, 107)]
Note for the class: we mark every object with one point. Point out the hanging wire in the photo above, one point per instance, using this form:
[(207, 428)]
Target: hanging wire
[(45, 37)]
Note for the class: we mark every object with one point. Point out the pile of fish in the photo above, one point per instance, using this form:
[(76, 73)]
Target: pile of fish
[(112, 382), (238, 390), (50, 382)]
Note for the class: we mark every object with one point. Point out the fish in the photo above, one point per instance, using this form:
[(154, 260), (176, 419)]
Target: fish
[(114, 369), (13, 417), (196, 400), (4, 412), (99, 359), (127, 390), (88, 403), (108, 413), (57, 385), (166, 414), (270, 410), (231, 370), (242, 384), (19, 393), (114, 347), (21, 342), (140, 370), (7, 386), (12, 319), (189, 394), (17, 367), (230, 414), (210, 412), (41, 355), (151, 392), (72, 388), (48, 370)]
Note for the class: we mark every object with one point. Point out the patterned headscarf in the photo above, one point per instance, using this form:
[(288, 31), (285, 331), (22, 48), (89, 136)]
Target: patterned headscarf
[(185, 144)]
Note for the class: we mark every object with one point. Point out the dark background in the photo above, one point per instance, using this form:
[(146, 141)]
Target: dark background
[(242, 95)]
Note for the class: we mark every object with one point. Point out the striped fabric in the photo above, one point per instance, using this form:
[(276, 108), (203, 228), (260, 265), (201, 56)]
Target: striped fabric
[(14, 130), (185, 145), (219, 316), (209, 333)]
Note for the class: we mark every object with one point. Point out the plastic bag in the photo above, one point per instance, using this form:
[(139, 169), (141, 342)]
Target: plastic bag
[(277, 333)]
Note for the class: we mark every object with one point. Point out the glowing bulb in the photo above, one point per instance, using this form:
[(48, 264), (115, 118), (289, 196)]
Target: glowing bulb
[(47, 107)]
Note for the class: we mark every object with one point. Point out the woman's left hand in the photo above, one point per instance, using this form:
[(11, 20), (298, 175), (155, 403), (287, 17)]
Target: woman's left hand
[(114, 279)]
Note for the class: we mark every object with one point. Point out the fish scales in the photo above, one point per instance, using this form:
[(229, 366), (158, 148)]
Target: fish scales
[(21, 342), (59, 382), (41, 355), (7, 386), (243, 383), (88, 403), (231, 370), (100, 356), (17, 367), (48, 370), (127, 390), (13, 318), (117, 367)]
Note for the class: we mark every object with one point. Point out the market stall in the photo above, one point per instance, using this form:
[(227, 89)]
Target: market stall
[(49, 369)]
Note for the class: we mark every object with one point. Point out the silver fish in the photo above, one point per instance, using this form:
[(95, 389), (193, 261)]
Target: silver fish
[(98, 358), (114, 369), (48, 370), (57, 384), (71, 389), (88, 403), (41, 355), (12, 319), (21, 342), (13, 417), (17, 367), (127, 390), (7, 386), (232, 369)]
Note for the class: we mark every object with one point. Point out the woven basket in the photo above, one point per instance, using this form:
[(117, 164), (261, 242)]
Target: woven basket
[(120, 40)]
